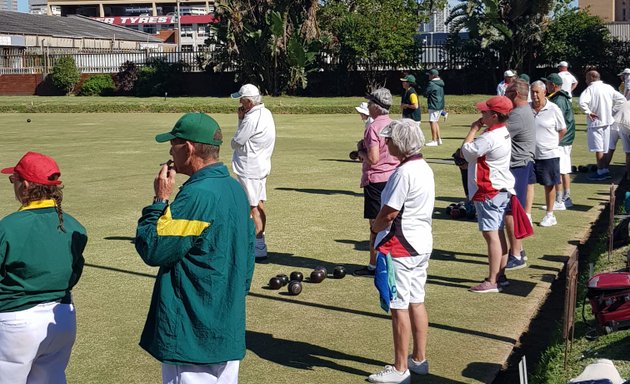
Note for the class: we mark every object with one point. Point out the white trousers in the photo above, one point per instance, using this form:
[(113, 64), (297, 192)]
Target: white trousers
[(35, 344), (223, 373)]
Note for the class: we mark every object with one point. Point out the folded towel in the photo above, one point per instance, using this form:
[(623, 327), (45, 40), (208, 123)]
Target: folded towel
[(522, 225), (385, 279)]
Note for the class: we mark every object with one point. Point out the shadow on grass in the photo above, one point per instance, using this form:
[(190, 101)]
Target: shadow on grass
[(444, 161), (301, 355), (363, 245), (119, 270), (317, 191), (292, 260), (442, 254), (617, 350), (124, 238), (480, 371), (342, 160), (381, 316)]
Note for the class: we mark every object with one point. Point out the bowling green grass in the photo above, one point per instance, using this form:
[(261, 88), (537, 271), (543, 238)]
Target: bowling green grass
[(334, 332)]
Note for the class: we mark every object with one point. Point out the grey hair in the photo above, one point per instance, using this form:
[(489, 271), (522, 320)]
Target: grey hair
[(538, 84), (384, 96), (254, 99), (381, 110), (406, 136)]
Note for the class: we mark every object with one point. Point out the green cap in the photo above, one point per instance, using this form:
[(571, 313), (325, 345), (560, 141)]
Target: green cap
[(433, 72), (194, 126), (554, 78), (524, 76), (409, 79)]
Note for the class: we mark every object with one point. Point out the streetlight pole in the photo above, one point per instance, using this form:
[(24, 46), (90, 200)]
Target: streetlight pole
[(179, 29)]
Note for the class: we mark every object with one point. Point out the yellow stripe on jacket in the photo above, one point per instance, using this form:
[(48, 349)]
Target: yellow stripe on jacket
[(167, 226)]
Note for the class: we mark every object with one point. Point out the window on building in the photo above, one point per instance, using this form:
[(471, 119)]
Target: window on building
[(187, 48), (187, 31)]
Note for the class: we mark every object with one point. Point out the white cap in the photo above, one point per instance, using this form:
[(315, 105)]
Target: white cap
[(247, 90), (625, 72), (563, 64), (363, 108), (509, 73)]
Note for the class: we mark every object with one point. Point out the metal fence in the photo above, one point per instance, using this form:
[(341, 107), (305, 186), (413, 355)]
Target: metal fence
[(40, 60)]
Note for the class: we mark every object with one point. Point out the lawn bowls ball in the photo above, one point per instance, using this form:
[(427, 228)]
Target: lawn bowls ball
[(297, 276)]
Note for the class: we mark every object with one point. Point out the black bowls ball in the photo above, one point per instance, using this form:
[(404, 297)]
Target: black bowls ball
[(275, 283), (317, 276), (297, 276), (294, 288), (323, 269), (284, 279), (339, 272)]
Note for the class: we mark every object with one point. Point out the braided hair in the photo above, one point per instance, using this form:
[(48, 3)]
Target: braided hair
[(36, 192)]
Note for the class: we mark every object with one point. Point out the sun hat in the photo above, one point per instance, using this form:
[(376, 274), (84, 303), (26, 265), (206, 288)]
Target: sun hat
[(247, 90), (382, 97), (36, 168), (624, 72), (509, 73), (194, 126), (363, 108), (409, 79), (500, 104), (562, 64), (553, 78)]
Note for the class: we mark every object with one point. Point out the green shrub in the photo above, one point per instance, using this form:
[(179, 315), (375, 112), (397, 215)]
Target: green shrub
[(99, 85), (126, 78), (158, 77), (65, 74)]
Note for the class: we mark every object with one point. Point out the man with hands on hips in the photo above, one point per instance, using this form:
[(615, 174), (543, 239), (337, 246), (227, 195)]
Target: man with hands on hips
[(203, 242)]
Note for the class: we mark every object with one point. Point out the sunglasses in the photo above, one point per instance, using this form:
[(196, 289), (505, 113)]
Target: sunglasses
[(14, 178)]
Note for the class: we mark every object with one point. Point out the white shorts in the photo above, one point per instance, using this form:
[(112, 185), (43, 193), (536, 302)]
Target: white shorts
[(411, 277), (565, 159), (35, 343), (434, 115), (615, 135), (256, 189), (598, 139), (221, 373)]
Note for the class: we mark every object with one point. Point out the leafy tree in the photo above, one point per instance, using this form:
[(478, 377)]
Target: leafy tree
[(65, 74), (581, 39), (255, 36), (511, 30), (159, 76), (370, 35)]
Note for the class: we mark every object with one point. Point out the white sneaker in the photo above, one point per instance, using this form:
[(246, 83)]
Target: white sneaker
[(419, 368), (568, 203), (390, 375), (432, 143), (557, 206), (260, 249), (439, 141), (548, 221)]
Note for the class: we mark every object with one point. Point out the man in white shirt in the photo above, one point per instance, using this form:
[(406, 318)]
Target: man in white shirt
[(508, 77), (569, 82), (253, 145), (598, 102), (550, 128)]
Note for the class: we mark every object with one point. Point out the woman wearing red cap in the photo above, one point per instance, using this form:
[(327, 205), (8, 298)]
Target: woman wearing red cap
[(41, 253), (490, 183)]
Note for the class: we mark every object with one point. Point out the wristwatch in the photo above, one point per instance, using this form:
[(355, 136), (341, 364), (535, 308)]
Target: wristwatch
[(159, 200)]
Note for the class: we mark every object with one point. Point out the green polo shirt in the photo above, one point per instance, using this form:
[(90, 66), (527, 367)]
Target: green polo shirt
[(39, 262)]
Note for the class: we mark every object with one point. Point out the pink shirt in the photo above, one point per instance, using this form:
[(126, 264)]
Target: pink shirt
[(379, 172)]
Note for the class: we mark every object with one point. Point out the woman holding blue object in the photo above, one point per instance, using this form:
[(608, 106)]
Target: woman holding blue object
[(404, 237)]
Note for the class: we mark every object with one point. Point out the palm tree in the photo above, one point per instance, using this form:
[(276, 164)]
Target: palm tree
[(513, 29)]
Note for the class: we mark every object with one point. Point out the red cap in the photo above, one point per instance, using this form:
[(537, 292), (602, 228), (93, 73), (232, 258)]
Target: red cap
[(500, 104), (36, 168)]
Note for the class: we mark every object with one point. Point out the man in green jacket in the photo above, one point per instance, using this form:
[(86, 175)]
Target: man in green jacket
[(562, 99), (203, 243), (435, 101)]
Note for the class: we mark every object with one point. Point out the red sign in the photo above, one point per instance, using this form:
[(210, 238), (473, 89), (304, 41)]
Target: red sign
[(137, 20)]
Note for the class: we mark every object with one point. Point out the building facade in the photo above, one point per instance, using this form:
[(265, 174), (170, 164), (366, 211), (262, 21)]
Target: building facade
[(609, 10), (8, 5), (156, 17)]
